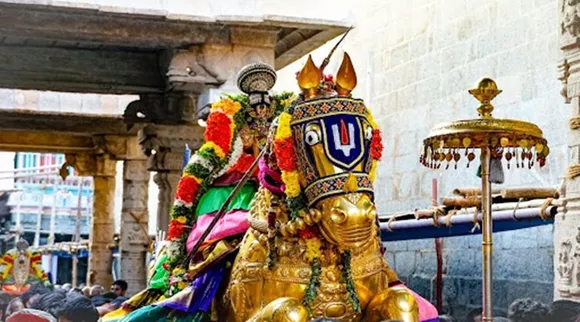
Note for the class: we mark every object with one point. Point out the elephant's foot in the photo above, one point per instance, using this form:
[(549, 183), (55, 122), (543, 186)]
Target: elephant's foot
[(393, 304), (285, 309)]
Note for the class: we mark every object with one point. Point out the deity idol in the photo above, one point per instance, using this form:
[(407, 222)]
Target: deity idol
[(20, 268), (311, 243)]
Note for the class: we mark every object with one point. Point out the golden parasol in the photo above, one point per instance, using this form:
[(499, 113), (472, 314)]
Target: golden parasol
[(515, 141)]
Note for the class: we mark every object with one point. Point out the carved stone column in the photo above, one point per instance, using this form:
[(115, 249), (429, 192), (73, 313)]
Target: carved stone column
[(567, 223), (103, 168), (165, 147), (134, 224)]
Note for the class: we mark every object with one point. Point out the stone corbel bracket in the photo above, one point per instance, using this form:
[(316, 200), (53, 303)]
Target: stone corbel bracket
[(187, 71), (168, 108), (165, 145)]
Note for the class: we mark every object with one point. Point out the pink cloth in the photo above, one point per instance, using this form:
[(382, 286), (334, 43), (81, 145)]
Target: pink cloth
[(427, 311), (233, 223)]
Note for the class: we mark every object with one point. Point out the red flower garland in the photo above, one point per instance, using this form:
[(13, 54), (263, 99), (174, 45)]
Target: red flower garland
[(284, 151), (308, 232), (215, 131), (186, 189), (175, 230), (376, 145), (243, 164)]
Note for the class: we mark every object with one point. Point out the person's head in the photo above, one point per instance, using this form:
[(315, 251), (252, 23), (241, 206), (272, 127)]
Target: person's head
[(119, 287), (109, 296), (446, 318), (50, 302), (67, 286), (96, 290), (524, 310), (14, 306), (5, 299), (500, 319), (474, 315), (564, 310), (78, 309), (33, 294), (86, 291)]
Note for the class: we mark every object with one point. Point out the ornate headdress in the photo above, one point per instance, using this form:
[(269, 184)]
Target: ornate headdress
[(345, 127), (257, 80)]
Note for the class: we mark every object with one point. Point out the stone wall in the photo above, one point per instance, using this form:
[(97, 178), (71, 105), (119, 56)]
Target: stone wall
[(415, 61)]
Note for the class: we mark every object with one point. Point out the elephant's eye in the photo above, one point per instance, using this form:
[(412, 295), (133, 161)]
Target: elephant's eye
[(312, 137), (312, 134)]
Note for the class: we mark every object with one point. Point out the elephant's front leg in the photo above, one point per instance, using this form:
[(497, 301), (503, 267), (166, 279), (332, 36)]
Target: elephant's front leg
[(393, 304), (286, 309)]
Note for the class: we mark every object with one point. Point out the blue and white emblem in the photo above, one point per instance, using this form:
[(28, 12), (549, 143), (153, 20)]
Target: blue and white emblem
[(343, 140)]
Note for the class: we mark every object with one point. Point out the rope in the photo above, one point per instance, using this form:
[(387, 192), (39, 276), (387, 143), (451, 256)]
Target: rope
[(574, 123), (476, 225), (448, 217), (544, 207), (516, 208), (391, 220), (573, 171), (437, 212)]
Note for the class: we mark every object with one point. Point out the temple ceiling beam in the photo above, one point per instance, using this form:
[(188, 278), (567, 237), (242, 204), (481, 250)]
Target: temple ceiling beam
[(80, 70), (96, 28)]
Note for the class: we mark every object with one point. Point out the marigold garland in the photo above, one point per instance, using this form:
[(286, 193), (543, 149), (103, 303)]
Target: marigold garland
[(221, 152)]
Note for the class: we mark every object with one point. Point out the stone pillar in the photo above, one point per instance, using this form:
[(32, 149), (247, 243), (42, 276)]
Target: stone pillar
[(102, 167), (165, 147), (167, 183), (567, 223), (134, 225)]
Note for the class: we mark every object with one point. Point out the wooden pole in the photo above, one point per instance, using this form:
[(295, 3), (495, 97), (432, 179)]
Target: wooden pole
[(77, 236), (438, 251), (39, 215), (18, 216), (53, 216)]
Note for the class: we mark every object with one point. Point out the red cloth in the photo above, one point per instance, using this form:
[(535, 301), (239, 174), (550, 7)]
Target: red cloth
[(29, 315)]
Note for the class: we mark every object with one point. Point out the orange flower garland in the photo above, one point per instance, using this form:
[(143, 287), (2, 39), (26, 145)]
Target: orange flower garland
[(209, 160)]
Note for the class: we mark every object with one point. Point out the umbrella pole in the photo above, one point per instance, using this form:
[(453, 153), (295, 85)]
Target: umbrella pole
[(487, 235)]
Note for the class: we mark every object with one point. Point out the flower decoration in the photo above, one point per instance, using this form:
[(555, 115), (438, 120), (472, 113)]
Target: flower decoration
[(286, 161), (328, 78), (313, 243), (376, 149), (7, 265), (221, 152)]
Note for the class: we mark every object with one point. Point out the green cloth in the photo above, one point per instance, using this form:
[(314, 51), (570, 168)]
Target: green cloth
[(215, 197), (160, 276)]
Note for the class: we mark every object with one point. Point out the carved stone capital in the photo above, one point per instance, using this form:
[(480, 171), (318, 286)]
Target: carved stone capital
[(165, 145), (569, 22), (168, 108)]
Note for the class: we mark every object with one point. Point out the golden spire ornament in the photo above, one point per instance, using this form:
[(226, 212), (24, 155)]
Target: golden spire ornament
[(309, 79), (346, 77)]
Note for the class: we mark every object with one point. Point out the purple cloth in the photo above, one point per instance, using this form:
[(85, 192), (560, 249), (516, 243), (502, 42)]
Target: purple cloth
[(199, 294)]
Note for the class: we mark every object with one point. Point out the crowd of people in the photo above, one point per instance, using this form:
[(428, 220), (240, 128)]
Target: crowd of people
[(62, 304), (528, 310)]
